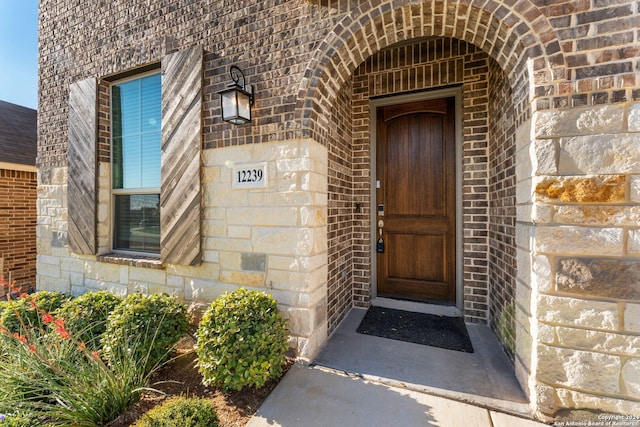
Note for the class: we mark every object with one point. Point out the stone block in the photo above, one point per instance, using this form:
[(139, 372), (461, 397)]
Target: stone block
[(230, 260), (254, 262), (312, 181), (599, 189), (633, 242), (600, 154), (598, 215), (544, 155), (583, 370), (632, 318), (579, 121), (574, 240), (609, 278), (524, 236), (576, 312), (263, 216), (205, 291), (239, 232), (546, 334), (523, 259), (633, 118), (243, 279), (601, 342), (523, 135), (284, 240), (631, 377), (524, 168), (301, 322), (524, 191), (542, 214), (225, 244), (634, 186), (313, 216), (582, 400), (147, 275), (47, 283), (541, 273)]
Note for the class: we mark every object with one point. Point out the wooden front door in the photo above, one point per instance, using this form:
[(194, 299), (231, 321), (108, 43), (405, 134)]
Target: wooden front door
[(416, 201)]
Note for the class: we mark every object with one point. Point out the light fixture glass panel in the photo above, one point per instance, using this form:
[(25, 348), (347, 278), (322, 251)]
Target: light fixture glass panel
[(244, 106), (229, 105)]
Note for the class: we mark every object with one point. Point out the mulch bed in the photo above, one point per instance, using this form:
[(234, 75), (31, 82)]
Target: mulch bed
[(181, 378)]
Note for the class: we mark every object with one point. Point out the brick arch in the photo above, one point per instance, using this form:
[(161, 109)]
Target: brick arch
[(511, 35)]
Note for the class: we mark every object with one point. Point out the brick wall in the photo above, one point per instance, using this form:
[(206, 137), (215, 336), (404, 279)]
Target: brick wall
[(341, 209), (18, 225), (502, 208)]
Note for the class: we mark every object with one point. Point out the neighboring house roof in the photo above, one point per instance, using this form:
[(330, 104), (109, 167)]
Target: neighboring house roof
[(18, 134)]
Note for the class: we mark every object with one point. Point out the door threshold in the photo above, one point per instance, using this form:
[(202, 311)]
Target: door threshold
[(417, 307)]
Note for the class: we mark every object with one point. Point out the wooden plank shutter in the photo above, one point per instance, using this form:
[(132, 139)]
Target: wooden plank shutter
[(180, 191), (81, 155)]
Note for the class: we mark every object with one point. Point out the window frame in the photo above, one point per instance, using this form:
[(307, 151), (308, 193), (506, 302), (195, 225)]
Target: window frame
[(113, 192)]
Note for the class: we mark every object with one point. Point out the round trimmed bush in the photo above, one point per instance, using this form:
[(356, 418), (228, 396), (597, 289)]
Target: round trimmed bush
[(242, 341), (30, 308), (86, 316), (181, 412), (145, 328)]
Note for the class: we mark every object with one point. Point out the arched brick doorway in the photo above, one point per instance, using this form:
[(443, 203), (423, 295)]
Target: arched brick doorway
[(495, 54)]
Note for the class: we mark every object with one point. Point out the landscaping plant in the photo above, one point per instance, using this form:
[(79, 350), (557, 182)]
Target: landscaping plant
[(51, 378), (181, 412), (145, 327), (25, 311), (242, 341), (86, 316)]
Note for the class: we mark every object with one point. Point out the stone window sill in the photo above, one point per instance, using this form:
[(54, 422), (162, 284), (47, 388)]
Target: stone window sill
[(144, 261)]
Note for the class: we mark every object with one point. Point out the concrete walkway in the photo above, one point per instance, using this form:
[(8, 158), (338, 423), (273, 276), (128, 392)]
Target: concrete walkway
[(359, 380), (311, 396)]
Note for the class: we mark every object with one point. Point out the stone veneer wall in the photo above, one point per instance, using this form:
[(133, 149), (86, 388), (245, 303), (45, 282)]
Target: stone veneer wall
[(18, 193), (271, 239), (581, 190)]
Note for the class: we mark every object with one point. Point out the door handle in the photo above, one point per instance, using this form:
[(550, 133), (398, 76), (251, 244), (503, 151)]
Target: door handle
[(380, 243)]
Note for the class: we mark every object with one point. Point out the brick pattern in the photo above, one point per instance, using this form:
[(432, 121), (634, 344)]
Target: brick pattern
[(600, 45), (341, 209), (18, 217), (502, 208), (308, 49), (426, 65)]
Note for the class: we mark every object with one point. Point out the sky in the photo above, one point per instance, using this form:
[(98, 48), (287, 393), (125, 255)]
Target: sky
[(19, 52)]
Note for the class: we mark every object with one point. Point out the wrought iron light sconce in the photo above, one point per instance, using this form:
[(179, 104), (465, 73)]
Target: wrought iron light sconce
[(236, 100)]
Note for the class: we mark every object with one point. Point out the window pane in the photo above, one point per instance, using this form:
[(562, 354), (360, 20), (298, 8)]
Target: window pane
[(137, 222), (150, 173), (136, 123)]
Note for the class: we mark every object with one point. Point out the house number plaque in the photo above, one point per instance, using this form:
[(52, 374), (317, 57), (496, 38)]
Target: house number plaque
[(252, 175)]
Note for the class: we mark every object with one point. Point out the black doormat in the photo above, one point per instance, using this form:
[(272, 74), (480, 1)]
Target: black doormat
[(419, 328)]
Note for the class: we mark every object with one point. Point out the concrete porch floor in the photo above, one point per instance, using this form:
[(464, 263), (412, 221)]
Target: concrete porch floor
[(364, 381), (484, 377)]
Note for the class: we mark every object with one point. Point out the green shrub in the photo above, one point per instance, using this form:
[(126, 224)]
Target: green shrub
[(181, 412), (30, 308), (242, 340), (130, 323), (86, 316), (18, 420)]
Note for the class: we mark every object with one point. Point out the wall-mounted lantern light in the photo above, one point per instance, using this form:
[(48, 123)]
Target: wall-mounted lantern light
[(236, 100)]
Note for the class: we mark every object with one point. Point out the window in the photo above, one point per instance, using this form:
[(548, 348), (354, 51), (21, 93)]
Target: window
[(135, 160), (144, 175)]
